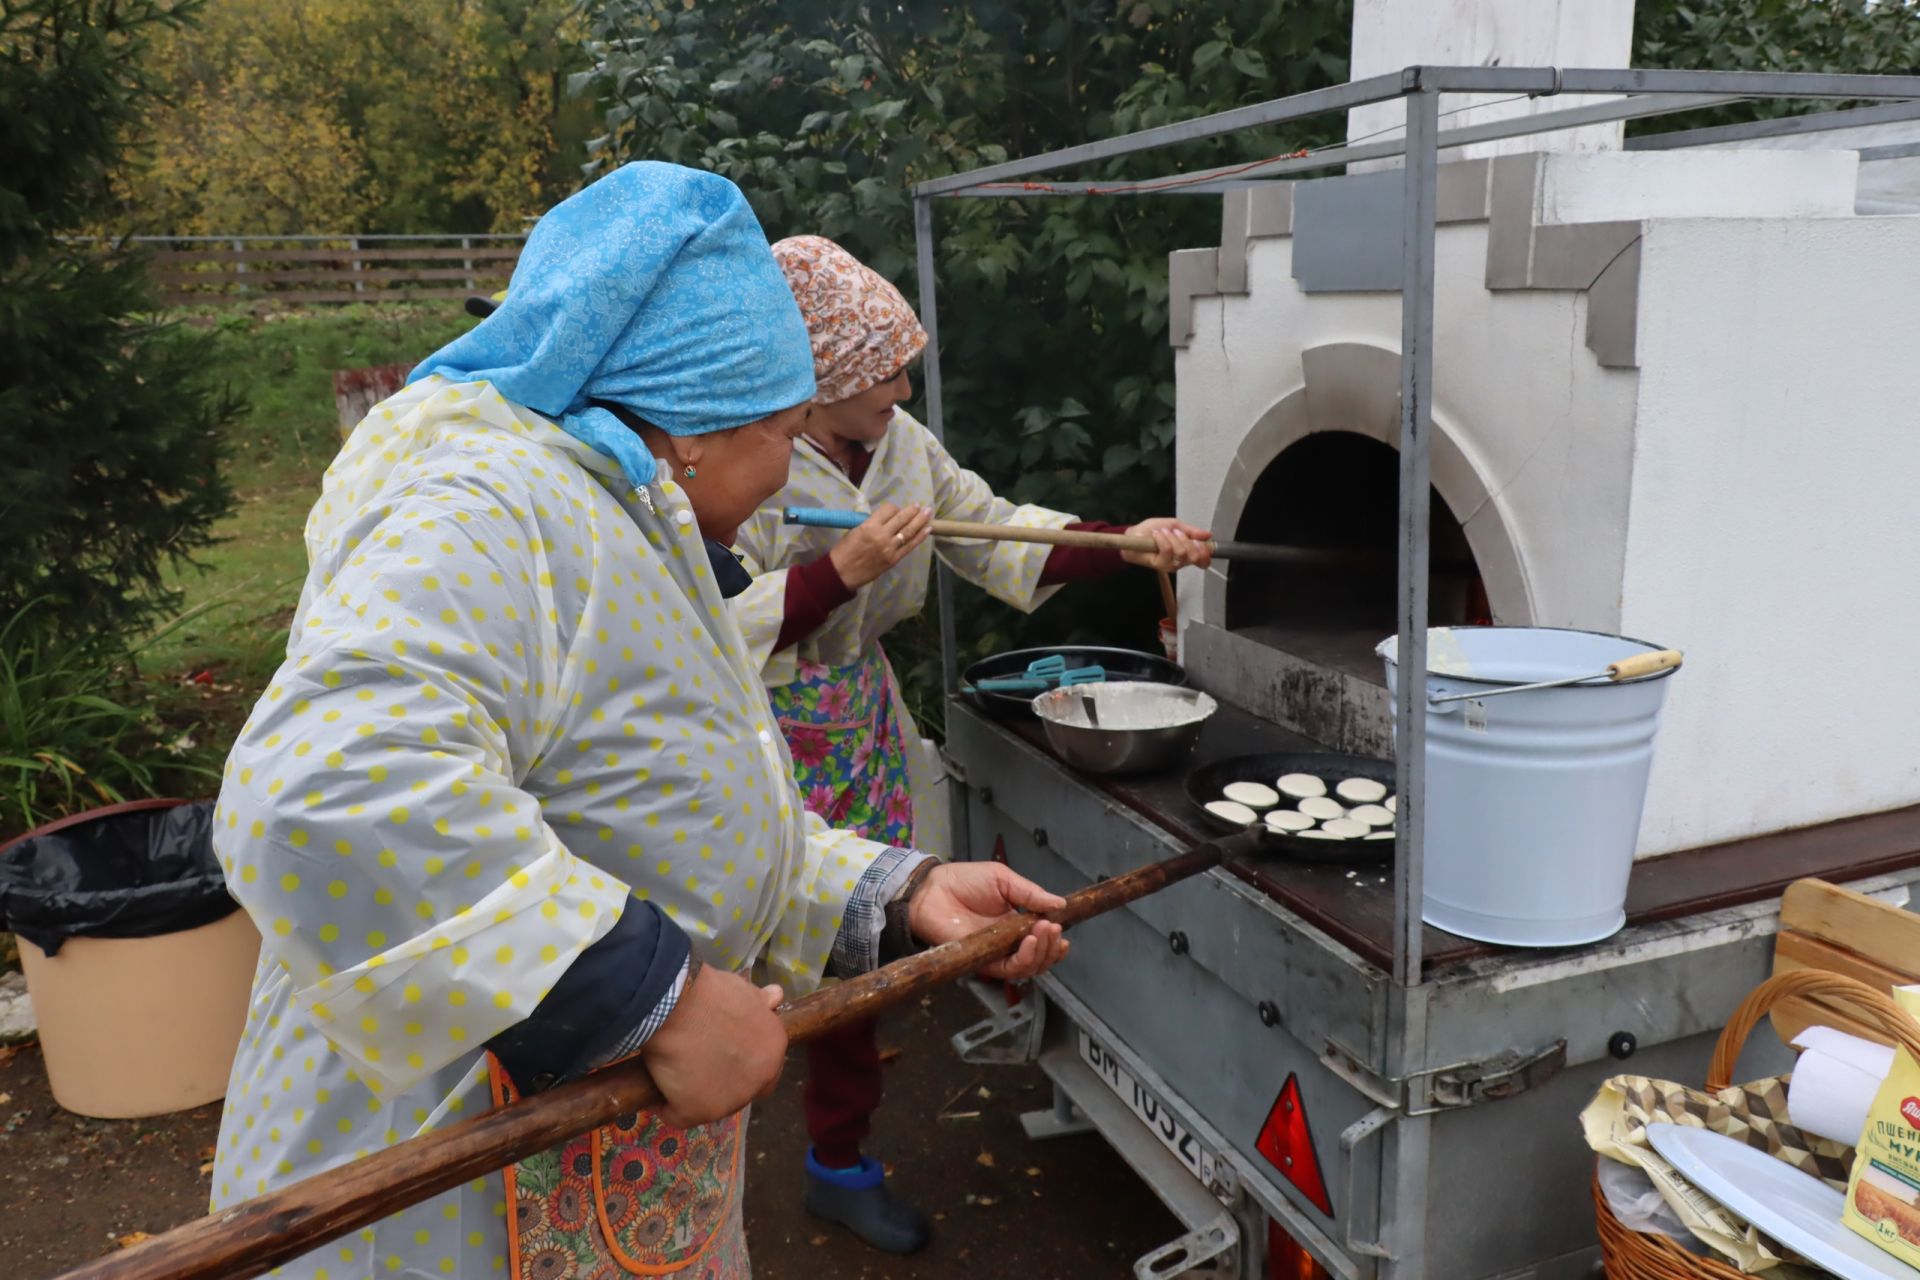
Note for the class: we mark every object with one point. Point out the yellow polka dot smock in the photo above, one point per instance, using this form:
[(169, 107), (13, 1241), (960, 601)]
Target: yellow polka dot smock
[(909, 467), (512, 698)]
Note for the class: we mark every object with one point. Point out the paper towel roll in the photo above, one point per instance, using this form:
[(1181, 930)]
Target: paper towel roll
[(1867, 1055), (1834, 1083)]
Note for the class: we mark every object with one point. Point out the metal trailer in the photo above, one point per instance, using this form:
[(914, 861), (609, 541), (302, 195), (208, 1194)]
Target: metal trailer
[(1395, 1104)]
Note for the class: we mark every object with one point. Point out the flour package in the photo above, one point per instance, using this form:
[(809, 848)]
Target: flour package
[(1883, 1195)]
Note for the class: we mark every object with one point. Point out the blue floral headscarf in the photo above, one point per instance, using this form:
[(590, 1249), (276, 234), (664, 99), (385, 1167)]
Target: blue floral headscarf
[(654, 290)]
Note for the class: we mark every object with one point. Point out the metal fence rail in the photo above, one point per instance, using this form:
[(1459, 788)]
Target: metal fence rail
[(216, 270)]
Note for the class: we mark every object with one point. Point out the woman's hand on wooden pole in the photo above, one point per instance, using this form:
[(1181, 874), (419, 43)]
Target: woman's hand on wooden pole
[(881, 542), (960, 898), (721, 1048), (1179, 544)]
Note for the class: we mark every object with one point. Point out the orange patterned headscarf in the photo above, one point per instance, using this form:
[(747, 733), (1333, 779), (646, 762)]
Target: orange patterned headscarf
[(862, 330)]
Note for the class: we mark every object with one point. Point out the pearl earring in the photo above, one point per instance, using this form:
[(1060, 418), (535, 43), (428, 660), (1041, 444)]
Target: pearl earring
[(689, 472)]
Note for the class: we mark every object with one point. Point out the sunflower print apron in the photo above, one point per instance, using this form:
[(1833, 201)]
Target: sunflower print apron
[(637, 1197)]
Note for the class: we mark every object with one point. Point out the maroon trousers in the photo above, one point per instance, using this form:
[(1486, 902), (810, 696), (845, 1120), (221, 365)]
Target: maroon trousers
[(842, 1092), (843, 1068)]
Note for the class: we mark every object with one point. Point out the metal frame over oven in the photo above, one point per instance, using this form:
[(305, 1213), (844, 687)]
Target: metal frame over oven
[(1394, 1063)]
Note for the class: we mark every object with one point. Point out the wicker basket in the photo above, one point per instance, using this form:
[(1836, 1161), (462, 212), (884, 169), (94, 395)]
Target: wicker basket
[(1632, 1255)]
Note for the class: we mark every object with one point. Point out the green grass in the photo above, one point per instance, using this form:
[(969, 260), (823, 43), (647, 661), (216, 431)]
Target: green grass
[(240, 595), (77, 729)]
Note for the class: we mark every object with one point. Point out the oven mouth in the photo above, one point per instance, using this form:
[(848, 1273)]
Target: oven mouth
[(1338, 492)]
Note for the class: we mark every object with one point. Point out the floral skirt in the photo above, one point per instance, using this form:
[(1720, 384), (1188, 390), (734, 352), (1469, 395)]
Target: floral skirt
[(848, 753)]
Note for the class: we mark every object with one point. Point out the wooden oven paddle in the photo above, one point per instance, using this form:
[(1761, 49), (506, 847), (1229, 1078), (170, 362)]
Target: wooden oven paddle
[(830, 519), (1259, 552), (251, 1238)]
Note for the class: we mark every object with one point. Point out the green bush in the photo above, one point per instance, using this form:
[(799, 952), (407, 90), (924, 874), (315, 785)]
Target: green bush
[(113, 423)]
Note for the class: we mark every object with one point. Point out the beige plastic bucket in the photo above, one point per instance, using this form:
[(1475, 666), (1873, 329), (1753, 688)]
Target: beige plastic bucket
[(143, 1026)]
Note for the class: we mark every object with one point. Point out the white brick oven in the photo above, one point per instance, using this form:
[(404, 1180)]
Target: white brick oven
[(1677, 397)]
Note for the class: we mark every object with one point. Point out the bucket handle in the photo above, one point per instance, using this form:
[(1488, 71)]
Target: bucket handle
[(1641, 664)]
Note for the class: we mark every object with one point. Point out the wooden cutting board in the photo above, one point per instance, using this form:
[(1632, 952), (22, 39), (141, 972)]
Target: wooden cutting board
[(1823, 926)]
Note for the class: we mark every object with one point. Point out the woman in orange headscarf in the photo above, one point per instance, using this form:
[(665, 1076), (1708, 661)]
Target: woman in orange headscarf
[(823, 600)]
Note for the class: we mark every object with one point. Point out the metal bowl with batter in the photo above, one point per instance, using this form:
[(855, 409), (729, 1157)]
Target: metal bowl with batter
[(1126, 726)]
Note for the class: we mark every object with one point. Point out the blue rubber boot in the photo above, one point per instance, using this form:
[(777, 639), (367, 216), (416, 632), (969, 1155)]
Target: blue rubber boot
[(859, 1200)]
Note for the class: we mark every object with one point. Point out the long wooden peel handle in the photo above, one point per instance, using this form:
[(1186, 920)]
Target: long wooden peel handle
[(1644, 664), (1258, 552), (254, 1237), (1127, 542), (1055, 537), (1358, 560)]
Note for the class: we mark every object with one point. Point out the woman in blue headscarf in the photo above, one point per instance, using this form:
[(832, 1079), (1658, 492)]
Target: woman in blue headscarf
[(514, 806)]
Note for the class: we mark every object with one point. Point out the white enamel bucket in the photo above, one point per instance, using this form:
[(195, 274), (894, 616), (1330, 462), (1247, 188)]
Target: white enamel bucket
[(1533, 798)]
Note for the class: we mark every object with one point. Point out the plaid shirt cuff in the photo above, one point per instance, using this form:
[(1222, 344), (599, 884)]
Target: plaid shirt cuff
[(856, 948), (631, 1042)]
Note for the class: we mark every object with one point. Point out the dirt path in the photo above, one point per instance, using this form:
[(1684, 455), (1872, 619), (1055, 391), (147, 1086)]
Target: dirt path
[(72, 1186), (1003, 1206)]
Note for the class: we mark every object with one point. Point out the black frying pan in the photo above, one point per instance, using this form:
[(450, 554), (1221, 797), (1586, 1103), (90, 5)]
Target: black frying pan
[(1120, 664), (1208, 781)]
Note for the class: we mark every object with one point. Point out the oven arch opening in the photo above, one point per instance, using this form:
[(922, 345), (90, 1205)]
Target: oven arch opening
[(1336, 494), (1350, 392)]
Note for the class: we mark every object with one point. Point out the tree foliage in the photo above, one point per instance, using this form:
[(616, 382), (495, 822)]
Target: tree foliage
[(1057, 375), (1861, 37), (361, 116), (1058, 378), (111, 420)]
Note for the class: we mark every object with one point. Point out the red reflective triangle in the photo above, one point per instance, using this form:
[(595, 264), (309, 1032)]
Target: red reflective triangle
[(1286, 1141)]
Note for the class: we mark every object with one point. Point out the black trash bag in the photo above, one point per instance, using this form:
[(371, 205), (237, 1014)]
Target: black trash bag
[(120, 875)]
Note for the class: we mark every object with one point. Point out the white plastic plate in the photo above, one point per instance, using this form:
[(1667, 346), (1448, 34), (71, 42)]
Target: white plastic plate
[(1795, 1208)]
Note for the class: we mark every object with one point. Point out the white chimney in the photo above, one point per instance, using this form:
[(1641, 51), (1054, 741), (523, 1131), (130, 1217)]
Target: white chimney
[(1391, 34)]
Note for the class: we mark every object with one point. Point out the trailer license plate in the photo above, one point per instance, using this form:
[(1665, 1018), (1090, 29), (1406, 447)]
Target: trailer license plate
[(1153, 1113)]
